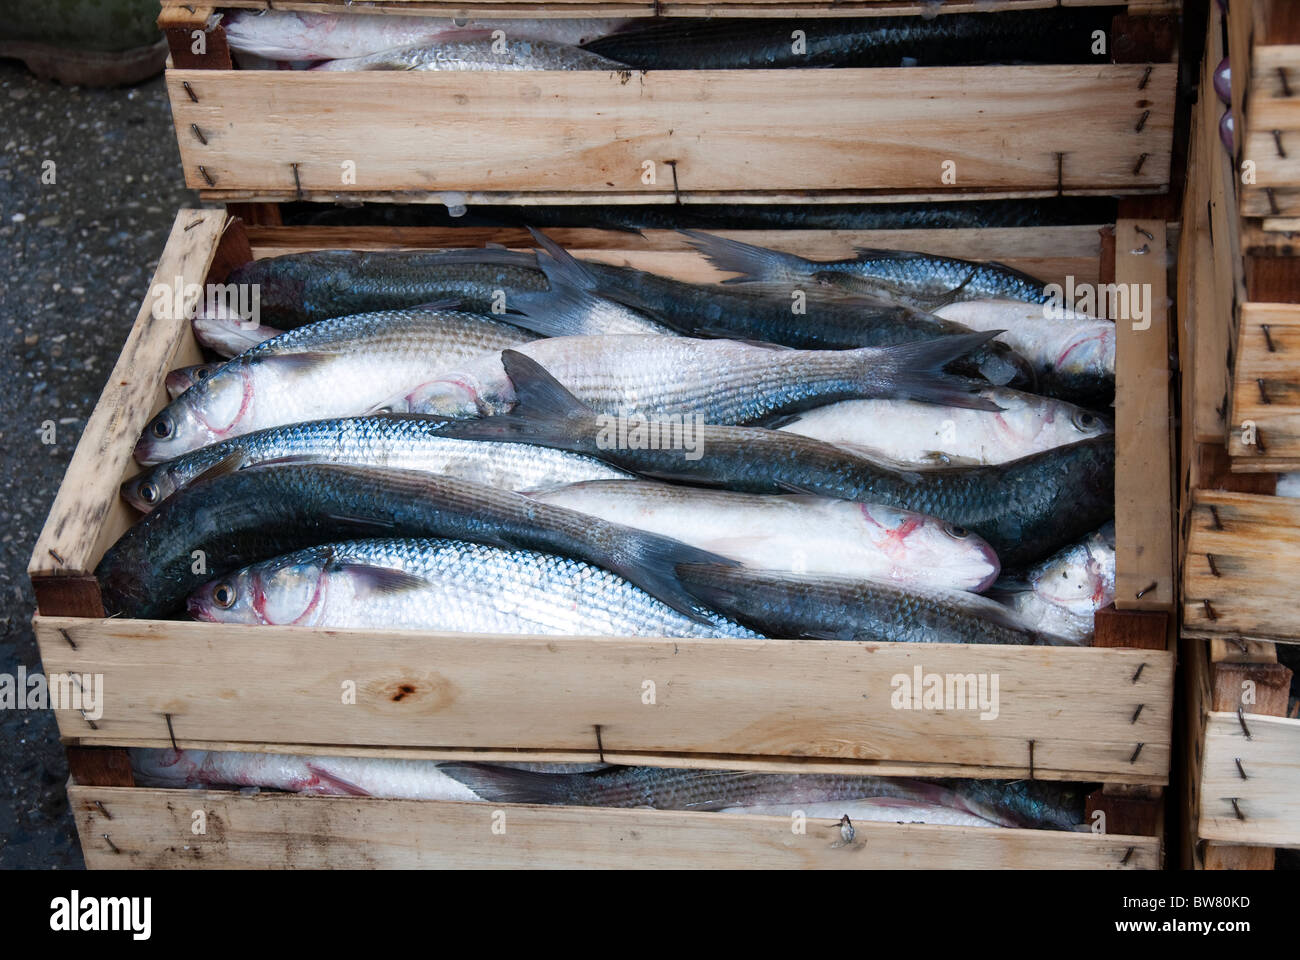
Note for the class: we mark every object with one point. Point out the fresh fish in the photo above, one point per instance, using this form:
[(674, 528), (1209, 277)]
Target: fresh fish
[(1223, 82), (1024, 803), (919, 279), (443, 585), (478, 50), (258, 513), (1073, 357), (278, 35), (335, 368), (1046, 36), (869, 809), (812, 535), (178, 381), (722, 381), (326, 776), (922, 434), (403, 442), (300, 288), (667, 788), (1062, 594), (1024, 509), (589, 298), (229, 335), (833, 607)]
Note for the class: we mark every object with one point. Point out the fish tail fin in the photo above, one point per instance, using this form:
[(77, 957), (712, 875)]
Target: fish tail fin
[(914, 371), (511, 785), (752, 262)]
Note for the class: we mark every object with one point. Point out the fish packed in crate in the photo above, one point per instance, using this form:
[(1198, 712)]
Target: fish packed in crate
[(274, 39), (893, 447), (1024, 804)]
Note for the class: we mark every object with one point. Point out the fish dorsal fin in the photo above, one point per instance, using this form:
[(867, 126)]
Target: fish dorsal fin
[(296, 364)]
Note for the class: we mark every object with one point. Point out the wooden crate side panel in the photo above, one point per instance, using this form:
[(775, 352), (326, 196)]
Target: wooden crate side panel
[(289, 134), (88, 514), (1251, 784), (1240, 571), (1266, 383), (1091, 714), (151, 829), (1144, 459)]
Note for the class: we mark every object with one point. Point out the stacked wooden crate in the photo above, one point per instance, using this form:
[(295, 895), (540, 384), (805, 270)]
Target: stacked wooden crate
[(1239, 319), (253, 139)]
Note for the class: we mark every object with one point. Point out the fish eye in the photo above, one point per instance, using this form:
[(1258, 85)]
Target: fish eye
[(162, 428), (956, 532), (201, 374), (148, 492), (224, 595), (1084, 420)]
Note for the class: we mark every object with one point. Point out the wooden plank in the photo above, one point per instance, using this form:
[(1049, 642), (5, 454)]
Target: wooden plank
[(88, 514), (589, 133), (1266, 811), (1266, 383), (152, 829), (1049, 253), (746, 698), (195, 37), (1144, 548), (1221, 856), (1241, 562), (100, 767)]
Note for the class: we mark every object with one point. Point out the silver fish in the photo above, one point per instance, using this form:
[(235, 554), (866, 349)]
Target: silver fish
[(1061, 595), (178, 381), (280, 35), (328, 776), (410, 443), (919, 434), (444, 585), (869, 809), (723, 381), (801, 534), (478, 50), (342, 367)]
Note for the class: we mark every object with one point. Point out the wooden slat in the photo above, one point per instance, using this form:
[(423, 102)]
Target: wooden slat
[(746, 698), (1266, 382), (814, 133), (1143, 496), (1253, 542), (88, 514), (152, 829), (1267, 810)]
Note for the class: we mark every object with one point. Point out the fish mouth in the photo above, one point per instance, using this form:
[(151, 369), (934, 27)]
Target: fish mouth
[(991, 558), (195, 608)]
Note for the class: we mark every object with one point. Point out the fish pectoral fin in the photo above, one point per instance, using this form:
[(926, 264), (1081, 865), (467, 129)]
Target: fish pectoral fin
[(366, 523), (843, 634), (447, 303), (231, 462), (296, 363), (382, 581), (337, 782)]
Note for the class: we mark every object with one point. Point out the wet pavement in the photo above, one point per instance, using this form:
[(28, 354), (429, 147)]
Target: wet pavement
[(90, 181)]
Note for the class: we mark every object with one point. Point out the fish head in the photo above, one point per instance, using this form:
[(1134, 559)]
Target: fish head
[(1080, 578), (1028, 423), (209, 411), (146, 490), (287, 590), (178, 381), (1088, 348), (921, 543), (169, 765)]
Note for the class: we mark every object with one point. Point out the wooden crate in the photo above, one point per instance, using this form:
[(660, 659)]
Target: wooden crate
[(759, 136), (1244, 779), (1264, 47), (1101, 713)]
